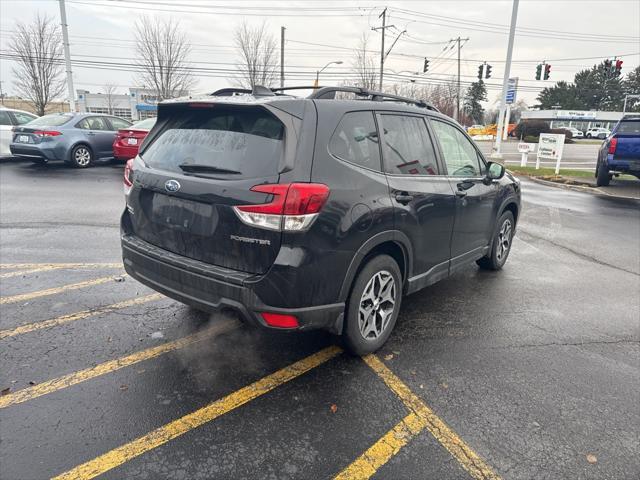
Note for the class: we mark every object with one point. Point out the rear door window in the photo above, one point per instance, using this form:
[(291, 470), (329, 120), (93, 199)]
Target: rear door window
[(407, 146), (94, 123), (233, 142), (356, 140), (5, 119)]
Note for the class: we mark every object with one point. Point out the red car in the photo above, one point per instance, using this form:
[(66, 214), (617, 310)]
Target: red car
[(128, 140)]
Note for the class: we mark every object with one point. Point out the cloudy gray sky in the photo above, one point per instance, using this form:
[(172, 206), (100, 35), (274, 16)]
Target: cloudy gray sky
[(568, 34)]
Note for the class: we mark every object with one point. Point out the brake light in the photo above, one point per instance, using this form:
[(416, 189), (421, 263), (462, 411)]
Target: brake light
[(294, 206), (47, 133), (279, 320), (613, 144), (128, 176)]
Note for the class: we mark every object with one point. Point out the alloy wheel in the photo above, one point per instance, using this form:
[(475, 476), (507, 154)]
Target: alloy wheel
[(82, 156), (377, 305), (504, 240)]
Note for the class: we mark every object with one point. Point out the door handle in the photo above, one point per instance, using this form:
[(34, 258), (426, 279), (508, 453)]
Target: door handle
[(403, 198), (91, 133), (461, 193)]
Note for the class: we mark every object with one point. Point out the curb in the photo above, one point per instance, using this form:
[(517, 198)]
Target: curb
[(578, 188)]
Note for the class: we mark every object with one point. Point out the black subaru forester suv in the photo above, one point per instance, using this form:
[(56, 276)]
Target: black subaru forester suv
[(316, 212)]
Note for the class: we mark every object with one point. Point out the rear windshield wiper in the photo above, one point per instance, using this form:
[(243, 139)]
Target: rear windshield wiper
[(199, 168)]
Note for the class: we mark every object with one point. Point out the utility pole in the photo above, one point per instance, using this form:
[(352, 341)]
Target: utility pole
[(505, 81), (456, 113), (384, 21), (67, 56), (2, 96), (282, 29)]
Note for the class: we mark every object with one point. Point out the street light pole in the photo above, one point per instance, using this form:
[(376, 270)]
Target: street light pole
[(318, 72), (505, 81)]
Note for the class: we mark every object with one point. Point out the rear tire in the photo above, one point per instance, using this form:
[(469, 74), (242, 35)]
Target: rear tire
[(501, 246), (81, 156), (373, 306), (602, 176)]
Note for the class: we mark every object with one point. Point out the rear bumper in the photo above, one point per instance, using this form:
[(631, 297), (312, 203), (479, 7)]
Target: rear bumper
[(124, 153), (34, 151), (630, 165), (211, 288)]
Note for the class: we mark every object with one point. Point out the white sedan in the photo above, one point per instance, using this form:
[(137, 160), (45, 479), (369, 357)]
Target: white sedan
[(8, 119)]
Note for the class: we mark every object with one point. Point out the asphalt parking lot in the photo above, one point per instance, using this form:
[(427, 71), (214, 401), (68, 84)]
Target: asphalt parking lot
[(532, 372)]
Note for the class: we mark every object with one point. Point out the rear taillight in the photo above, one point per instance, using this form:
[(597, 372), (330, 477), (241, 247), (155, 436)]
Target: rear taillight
[(128, 176), (47, 133), (293, 207), (613, 144)]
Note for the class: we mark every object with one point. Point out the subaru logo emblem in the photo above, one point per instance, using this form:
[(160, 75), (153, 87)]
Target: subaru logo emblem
[(172, 186)]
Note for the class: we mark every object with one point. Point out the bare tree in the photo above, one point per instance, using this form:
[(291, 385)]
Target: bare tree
[(109, 95), (258, 56), (165, 51), (37, 51), (364, 66)]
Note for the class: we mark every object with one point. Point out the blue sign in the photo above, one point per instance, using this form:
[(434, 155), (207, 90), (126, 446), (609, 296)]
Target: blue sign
[(512, 87), (146, 107)]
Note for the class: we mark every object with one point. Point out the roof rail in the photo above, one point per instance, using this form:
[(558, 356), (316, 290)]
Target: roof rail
[(258, 91), (330, 93)]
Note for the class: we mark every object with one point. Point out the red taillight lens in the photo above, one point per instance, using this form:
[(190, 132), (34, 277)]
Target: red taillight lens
[(613, 144), (279, 320), (128, 175), (47, 133), (294, 206)]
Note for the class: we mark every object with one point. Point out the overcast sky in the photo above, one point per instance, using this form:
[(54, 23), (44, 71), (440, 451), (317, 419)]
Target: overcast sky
[(568, 34)]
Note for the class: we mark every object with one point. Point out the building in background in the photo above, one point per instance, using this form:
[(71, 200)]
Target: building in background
[(138, 104), (580, 119)]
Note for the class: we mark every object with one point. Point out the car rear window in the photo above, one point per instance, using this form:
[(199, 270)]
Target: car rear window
[(629, 128), (51, 120), (246, 140), (146, 124)]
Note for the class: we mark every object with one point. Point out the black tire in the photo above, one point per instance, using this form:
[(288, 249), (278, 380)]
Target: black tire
[(602, 176), (503, 237), (588, 135), (376, 333), (81, 156)]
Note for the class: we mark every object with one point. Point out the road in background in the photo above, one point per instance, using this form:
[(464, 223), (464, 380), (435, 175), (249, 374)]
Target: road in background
[(534, 369), (576, 156)]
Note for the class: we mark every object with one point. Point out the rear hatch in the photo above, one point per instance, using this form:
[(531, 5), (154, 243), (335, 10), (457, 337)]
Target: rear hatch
[(200, 160), (627, 137)]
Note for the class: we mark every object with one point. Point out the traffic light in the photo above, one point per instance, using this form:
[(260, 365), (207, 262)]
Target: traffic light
[(487, 71), (547, 71), (539, 71), (426, 65), (618, 69), (480, 68), (608, 67)]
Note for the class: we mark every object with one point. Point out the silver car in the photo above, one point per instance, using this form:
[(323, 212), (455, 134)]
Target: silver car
[(77, 139)]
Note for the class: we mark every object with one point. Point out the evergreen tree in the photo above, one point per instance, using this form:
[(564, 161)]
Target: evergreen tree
[(476, 93)]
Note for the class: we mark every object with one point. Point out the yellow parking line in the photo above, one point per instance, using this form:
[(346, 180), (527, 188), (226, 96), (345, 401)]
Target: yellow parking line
[(59, 265), (463, 453), (381, 452), (178, 427), (31, 327), (74, 378), (52, 291), (28, 271)]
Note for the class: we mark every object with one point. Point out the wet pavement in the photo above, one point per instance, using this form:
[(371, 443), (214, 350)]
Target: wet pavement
[(531, 372)]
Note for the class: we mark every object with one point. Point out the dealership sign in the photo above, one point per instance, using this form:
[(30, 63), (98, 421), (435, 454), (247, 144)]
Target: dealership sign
[(550, 147), (575, 115)]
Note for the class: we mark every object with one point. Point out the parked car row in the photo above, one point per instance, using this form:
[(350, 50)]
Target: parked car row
[(78, 139)]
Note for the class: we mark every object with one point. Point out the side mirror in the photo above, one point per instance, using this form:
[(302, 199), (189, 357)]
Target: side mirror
[(495, 171)]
